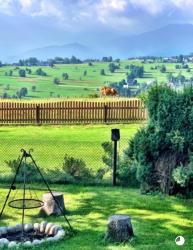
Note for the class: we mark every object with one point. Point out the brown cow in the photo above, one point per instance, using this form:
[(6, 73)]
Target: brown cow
[(108, 91)]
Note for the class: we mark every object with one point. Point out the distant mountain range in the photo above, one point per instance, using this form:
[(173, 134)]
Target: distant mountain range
[(66, 50), (170, 40), (173, 39)]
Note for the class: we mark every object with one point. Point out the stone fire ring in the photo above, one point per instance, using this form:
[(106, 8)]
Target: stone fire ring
[(35, 234)]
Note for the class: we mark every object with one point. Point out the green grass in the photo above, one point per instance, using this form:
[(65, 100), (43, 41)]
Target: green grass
[(157, 220), (51, 143), (78, 85)]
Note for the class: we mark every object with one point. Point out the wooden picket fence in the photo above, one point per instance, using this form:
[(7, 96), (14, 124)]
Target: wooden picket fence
[(68, 112)]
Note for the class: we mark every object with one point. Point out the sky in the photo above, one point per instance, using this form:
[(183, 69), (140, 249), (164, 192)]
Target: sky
[(28, 24)]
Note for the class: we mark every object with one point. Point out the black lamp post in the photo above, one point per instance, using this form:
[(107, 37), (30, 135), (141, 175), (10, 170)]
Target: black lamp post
[(115, 137)]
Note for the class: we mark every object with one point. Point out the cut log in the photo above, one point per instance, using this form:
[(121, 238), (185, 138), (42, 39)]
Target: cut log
[(119, 228), (50, 205)]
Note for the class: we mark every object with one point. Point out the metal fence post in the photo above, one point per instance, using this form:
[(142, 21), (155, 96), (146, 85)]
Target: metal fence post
[(115, 164)]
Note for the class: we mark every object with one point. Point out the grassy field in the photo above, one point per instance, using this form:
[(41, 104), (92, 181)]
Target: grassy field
[(51, 143), (157, 220), (78, 85)]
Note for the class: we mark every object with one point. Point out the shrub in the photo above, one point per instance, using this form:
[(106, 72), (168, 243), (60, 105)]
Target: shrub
[(7, 87), (178, 66), (76, 168), (113, 67), (163, 149), (163, 69), (56, 80), (33, 88), (65, 76), (100, 173), (107, 157), (5, 95), (23, 92), (127, 173), (185, 66), (28, 71), (183, 175), (93, 95), (29, 170), (22, 73), (102, 72), (40, 72)]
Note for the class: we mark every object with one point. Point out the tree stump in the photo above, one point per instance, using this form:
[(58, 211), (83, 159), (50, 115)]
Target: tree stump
[(50, 206), (119, 228)]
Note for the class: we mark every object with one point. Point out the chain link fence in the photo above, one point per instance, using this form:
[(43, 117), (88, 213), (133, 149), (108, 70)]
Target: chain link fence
[(64, 154)]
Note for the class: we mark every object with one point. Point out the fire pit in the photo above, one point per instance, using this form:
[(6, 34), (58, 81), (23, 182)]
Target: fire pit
[(34, 234), (29, 234)]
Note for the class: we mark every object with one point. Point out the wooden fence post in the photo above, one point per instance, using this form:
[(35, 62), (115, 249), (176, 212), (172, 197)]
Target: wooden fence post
[(38, 114), (105, 113)]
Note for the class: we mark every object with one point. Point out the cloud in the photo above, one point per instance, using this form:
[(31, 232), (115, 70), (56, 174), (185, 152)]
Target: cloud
[(48, 8), (26, 4), (115, 14), (41, 7), (61, 7), (117, 5), (6, 6), (153, 7), (183, 4), (107, 11)]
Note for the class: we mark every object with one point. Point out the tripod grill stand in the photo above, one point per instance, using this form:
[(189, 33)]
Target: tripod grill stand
[(31, 203)]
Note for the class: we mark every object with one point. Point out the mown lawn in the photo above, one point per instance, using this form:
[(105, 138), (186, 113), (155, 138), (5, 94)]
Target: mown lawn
[(157, 220), (51, 143)]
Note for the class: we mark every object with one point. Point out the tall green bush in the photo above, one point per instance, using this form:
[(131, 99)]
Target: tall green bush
[(166, 142)]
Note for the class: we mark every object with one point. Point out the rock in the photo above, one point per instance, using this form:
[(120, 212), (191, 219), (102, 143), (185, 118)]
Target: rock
[(119, 228), (3, 242), (12, 244), (50, 239), (36, 242), (43, 226), (48, 227), (11, 229), (36, 226), (28, 227), (3, 230), (18, 228), (19, 245), (51, 206), (56, 237), (54, 229), (27, 243), (42, 241), (60, 233)]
